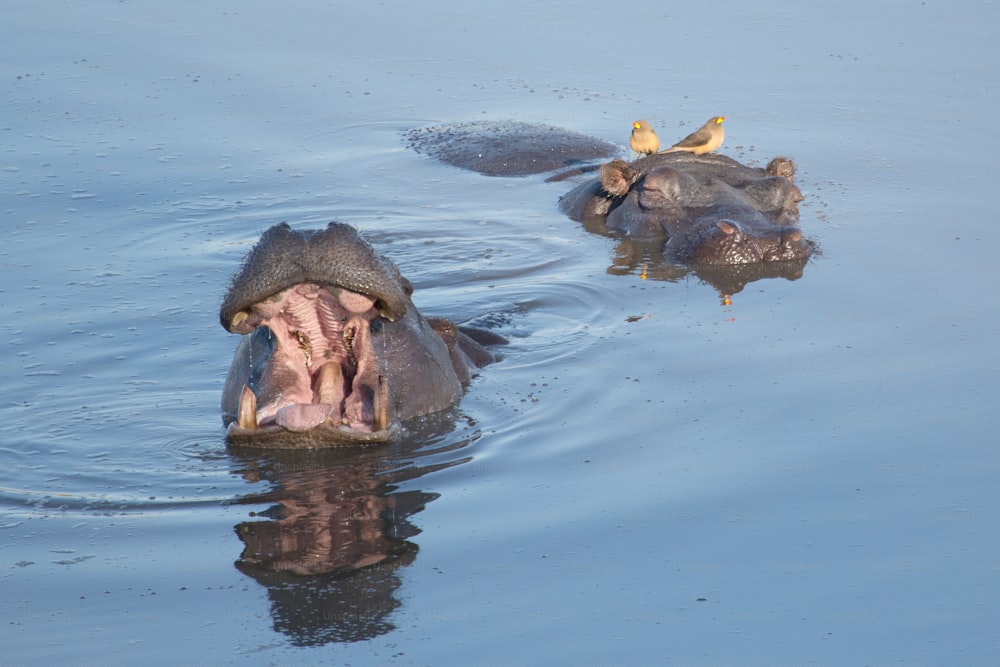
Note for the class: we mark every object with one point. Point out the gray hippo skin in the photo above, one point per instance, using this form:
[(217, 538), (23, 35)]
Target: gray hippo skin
[(711, 209), (334, 351), (507, 148)]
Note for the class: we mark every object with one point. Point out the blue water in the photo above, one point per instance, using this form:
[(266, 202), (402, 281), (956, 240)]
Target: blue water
[(805, 475)]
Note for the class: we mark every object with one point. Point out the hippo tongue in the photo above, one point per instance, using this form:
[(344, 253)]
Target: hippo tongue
[(302, 417)]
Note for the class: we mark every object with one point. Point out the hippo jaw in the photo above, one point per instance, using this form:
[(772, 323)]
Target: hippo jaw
[(316, 374)]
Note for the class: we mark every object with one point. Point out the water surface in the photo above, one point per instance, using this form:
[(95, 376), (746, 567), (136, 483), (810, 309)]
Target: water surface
[(803, 473)]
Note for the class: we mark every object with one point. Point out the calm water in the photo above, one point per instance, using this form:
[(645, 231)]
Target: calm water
[(804, 475)]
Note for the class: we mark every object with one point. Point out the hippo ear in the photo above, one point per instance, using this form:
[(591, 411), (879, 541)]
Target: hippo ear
[(727, 227), (617, 177), (781, 166), (407, 285)]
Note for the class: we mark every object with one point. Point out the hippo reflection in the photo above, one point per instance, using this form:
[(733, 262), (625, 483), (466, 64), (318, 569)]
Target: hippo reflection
[(710, 209), (334, 350), (330, 533), (645, 258)]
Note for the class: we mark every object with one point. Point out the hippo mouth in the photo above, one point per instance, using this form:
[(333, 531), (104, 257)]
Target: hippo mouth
[(316, 372)]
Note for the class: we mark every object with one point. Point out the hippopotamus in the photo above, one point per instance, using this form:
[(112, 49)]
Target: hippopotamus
[(709, 208), (333, 351), (507, 148)]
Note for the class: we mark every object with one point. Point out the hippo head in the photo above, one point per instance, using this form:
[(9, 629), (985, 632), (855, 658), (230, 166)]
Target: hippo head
[(334, 352), (654, 202), (666, 187), (725, 241)]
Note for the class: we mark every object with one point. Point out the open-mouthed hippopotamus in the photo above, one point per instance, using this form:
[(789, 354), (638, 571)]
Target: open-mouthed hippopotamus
[(334, 351), (710, 208)]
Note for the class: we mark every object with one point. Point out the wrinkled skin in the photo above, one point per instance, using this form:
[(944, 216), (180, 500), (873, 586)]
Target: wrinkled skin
[(710, 208), (507, 148), (334, 351), (725, 241)]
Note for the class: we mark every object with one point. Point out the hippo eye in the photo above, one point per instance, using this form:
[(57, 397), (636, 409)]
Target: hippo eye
[(727, 227)]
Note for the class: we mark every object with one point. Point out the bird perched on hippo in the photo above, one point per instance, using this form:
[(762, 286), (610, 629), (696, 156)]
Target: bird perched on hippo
[(644, 140), (705, 139), (708, 208)]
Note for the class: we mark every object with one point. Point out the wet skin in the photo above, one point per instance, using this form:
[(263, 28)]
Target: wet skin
[(334, 352), (729, 253), (507, 148), (710, 208)]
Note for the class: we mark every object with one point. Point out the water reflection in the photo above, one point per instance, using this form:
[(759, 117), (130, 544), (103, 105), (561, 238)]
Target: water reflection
[(330, 545), (646, 258)]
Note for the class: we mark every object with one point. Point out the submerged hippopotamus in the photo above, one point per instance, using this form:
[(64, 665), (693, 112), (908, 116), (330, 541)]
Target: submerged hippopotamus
[(334, 351), (507, 148), (710, 208)]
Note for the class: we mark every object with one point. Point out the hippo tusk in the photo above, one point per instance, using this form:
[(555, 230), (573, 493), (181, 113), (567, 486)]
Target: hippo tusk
[(239, 318), (247, 418), (380, 405)]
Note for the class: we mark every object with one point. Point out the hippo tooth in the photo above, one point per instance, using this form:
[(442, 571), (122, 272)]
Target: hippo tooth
[(330, 384), (238, 319), (380, 405), (247, 418)]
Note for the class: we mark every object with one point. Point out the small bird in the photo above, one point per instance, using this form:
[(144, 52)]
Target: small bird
[(644, 140), (703, 140)]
